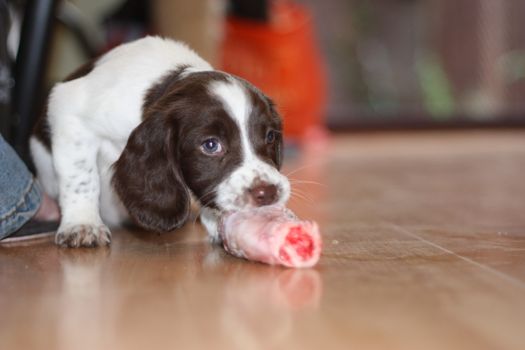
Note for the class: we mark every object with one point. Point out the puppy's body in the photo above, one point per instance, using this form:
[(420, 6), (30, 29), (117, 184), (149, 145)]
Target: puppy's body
[(146, 127)]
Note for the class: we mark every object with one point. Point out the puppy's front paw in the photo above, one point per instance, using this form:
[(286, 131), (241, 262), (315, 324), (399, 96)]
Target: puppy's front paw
[(83, 236)]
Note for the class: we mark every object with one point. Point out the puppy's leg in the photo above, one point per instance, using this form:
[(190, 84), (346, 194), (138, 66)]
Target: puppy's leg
[(75, 159), (210, 220), (44, 167)]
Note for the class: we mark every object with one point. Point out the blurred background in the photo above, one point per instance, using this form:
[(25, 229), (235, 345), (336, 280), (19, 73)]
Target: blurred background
[(330, 65)]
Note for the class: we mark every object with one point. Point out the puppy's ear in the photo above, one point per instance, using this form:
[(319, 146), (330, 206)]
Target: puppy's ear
[(279, 144), (147, 177)]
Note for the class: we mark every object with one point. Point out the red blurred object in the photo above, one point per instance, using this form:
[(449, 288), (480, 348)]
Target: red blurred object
[(281, 58)]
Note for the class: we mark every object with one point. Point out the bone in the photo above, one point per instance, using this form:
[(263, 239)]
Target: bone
[(271, 234)]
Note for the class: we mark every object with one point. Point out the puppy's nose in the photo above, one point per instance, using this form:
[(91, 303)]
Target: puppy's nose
[(263, 194)]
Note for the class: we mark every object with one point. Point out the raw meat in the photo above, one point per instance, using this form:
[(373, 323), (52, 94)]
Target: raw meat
[(272, 235)]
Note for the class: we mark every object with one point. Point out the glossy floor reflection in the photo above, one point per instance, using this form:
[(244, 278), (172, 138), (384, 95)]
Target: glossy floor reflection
[(424, 248)]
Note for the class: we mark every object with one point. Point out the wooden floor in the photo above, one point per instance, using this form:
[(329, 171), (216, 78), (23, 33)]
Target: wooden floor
[(424, 248)]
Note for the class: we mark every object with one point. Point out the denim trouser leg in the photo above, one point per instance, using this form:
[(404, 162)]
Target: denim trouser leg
[(20, 195)]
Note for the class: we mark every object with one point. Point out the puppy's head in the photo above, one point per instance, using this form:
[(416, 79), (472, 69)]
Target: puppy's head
[(205, 134)]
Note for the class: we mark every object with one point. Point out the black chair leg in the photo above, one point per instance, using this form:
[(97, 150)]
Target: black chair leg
[(30, 70)]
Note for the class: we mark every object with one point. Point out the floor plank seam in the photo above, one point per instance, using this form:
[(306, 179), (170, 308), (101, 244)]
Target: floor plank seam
[(486, 268)]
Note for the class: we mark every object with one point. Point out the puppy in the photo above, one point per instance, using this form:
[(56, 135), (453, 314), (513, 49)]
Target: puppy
[(145, 129)]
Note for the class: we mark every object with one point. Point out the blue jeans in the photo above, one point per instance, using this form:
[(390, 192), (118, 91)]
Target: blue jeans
[(20, 194)]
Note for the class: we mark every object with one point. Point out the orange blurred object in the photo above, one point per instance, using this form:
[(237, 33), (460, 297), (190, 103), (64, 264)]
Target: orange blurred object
[(281, 58)]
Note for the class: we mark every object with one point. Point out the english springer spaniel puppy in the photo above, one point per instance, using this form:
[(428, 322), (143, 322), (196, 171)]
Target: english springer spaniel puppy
[(147, 128)]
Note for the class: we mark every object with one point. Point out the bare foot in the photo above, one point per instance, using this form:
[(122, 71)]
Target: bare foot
[(48, 210)]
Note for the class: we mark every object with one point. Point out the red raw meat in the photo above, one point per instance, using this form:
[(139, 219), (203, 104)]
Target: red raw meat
[(272, 235)]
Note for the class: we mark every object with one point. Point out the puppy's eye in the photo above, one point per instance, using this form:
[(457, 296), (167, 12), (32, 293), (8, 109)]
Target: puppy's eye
[(211, 146), (271, 136)]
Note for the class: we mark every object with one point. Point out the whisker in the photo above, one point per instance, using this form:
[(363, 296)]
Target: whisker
[(206, 194), (306, 166), (295, 187), (297, 181), (301, 196), (299, 169), (297, 198)]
